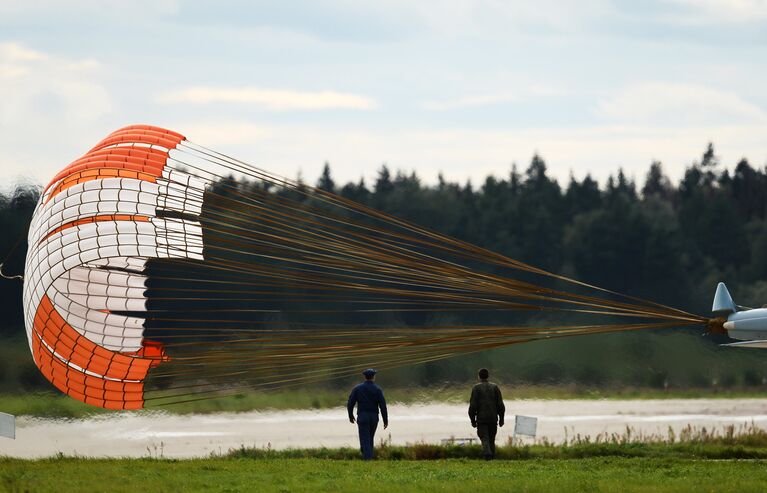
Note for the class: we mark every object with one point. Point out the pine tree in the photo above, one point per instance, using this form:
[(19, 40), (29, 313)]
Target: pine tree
[(326, 181), (657, 184)]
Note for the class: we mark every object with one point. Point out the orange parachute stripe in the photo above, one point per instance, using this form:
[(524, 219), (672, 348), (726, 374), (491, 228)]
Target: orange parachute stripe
[(147, 155), (95, 219), (152, 128), (141, 155), (147, 162), (86, 388), (82, 352), (143, 134), (106, 169)]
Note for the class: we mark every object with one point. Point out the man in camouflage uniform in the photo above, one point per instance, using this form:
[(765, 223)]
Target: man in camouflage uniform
[(486, 412)]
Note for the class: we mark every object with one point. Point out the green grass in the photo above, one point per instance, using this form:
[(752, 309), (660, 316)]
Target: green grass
[(731, 442), (693, 461), (431, 452), (56, 405), (622, 474)]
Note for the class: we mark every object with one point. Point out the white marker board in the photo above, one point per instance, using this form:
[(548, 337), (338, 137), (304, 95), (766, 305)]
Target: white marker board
[(7, 425), (525, 425)]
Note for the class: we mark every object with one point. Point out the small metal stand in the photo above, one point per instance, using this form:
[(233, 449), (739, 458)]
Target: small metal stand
[(458, 441), (524, 426), (8, 426)]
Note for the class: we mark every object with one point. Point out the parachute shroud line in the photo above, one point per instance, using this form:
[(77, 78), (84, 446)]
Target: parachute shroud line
[(147, 263)]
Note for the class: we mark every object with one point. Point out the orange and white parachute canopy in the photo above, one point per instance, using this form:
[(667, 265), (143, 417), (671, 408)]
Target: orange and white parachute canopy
[(259, 283), (95, 226)]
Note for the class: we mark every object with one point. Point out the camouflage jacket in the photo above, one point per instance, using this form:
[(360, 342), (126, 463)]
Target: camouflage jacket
[(486, 404)]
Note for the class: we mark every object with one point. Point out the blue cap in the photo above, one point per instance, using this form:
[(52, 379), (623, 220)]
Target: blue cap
[(369, 372)]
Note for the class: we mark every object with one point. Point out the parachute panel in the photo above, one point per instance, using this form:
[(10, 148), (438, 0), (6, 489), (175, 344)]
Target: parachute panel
[(94, 228)]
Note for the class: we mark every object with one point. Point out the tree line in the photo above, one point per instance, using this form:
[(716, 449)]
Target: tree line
[(665, 241), (669, 242)]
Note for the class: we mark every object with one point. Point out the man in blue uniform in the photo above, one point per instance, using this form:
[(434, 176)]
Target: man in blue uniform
[(486, 412), (369, 399)]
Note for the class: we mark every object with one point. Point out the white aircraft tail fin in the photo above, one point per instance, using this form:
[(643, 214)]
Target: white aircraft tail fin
[(723, 303)]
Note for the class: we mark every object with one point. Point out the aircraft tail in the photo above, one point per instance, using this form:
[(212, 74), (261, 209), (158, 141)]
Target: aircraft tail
[(723, 303)]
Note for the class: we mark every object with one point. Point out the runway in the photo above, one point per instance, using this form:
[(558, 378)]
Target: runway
[(159, 434)]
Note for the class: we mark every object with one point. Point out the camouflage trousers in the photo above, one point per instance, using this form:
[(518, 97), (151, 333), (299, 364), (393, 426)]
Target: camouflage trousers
[(486, 433)]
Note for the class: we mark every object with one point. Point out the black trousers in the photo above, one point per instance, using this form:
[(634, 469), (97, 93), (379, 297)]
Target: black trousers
[(486, 433), (366, 425)]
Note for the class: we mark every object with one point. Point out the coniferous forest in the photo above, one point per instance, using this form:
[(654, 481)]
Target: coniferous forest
[(652, 238)]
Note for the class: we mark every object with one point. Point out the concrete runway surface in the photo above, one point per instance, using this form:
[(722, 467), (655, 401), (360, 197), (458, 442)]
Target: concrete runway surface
[(160, 434)]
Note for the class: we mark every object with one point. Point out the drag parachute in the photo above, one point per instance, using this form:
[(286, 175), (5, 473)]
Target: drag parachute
[(147, 263), (94, 228)]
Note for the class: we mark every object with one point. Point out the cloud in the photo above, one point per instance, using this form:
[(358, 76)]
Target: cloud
[(453, 65), (669, 104), (221, 134), (137, 9), (271, 99), (493, 18), (28, 75), (492, 99), (14, 60), (696, 12), (466, 153), (471, 101), (49, 103), (15, 52)]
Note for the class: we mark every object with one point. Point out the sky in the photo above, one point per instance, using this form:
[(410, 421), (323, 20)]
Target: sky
[(462, 88)]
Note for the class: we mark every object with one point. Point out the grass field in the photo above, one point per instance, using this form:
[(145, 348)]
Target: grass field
[(56, 405), (696, 461), (455, 475)]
